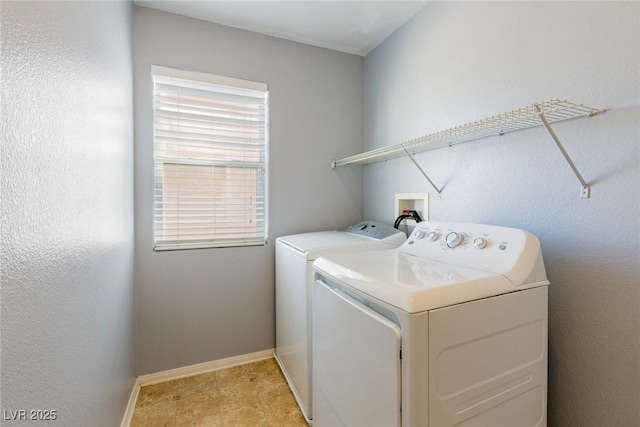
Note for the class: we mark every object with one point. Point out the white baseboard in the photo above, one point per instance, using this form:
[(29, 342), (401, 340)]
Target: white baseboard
[(201, 368), (131, 405), (187, 371)]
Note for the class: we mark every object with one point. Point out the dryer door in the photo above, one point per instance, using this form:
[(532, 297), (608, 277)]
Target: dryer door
[(356, 363)]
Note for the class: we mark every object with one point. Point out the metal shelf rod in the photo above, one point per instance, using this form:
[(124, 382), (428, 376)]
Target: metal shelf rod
[(586, 190), (439, 190)]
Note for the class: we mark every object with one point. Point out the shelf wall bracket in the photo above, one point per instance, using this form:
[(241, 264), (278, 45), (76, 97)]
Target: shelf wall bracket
[(585, 191), (438, 190)]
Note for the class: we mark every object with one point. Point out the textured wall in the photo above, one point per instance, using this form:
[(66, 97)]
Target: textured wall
[(456, 62), (201, 305), (67, 211)]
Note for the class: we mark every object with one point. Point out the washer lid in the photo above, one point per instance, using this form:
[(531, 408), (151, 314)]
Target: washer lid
[(364, 235), (312, 244), (410, 283)]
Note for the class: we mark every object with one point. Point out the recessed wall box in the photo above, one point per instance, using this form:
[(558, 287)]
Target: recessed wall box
[(418, 202)]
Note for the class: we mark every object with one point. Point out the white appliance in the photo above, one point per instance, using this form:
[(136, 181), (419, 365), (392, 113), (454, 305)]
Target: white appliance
[(294, 291), (448, 329)]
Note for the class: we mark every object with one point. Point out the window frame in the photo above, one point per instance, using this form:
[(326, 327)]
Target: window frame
[(203, 80)]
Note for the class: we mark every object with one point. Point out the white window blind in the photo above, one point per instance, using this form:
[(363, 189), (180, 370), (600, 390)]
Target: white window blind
[(210, 143)]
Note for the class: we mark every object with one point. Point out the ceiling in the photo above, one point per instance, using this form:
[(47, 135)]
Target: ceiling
[(351, 26)]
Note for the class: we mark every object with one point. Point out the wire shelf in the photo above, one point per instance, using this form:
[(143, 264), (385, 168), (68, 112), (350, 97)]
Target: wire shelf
[(554, 110)]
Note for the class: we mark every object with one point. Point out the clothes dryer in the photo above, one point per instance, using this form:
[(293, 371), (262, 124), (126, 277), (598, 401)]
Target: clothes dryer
[(449, 329), (294, 293)]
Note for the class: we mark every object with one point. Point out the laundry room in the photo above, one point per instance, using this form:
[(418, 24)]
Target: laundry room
[(500, 115)]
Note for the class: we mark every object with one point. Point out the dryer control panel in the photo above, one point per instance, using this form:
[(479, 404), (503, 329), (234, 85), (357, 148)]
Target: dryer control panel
[(376, 230), (508, 251)]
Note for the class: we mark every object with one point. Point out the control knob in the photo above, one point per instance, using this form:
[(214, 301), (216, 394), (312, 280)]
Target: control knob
[(480, 243), (419, 234), (453, 239), (432, 236)]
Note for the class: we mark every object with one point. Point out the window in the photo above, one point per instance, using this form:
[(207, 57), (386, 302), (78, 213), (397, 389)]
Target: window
[(210, 142)]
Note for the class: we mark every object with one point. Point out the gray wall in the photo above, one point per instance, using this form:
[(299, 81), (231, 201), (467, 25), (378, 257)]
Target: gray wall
[(202, 305), (67, 211), (456, 62)]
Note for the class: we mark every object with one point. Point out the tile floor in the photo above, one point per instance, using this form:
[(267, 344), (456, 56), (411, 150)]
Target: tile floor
[(255, 394)]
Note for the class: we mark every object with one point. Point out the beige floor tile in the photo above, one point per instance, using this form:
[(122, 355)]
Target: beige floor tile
[(283, 410), (238, 396), (264, 369), (291, 418), (226, 377), (267, 391), (204, 383), (158, 414), (155, 393), (245, 416), (199, 410), (255, 395)]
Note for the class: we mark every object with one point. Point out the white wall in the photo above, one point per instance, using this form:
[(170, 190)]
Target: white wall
[(460, 61), (67, 211), (201, 305)]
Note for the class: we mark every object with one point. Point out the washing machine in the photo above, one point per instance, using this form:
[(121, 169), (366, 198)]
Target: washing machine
[(448, 329), (294, 293)]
